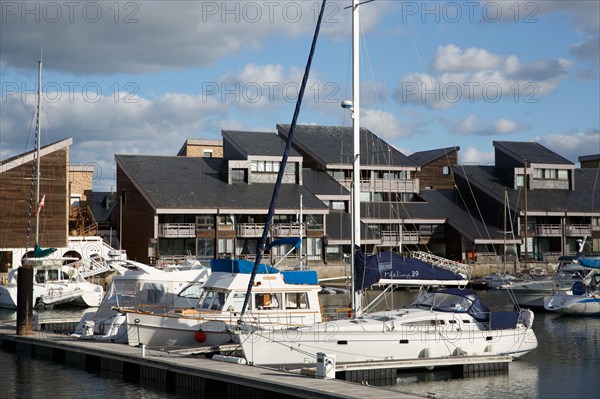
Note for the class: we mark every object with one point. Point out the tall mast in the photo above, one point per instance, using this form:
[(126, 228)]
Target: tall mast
[(356, 305), (37, 140)]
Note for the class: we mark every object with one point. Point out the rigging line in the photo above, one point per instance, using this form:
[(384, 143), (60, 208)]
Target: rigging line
[(262, 243)]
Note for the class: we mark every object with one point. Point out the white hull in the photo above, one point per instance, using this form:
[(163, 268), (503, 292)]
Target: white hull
[(51, 294), (215, 328), (580, 305), (302, 345)]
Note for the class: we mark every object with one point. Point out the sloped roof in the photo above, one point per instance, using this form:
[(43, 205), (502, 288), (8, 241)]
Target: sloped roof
[(424, 157), (320, 183), (28, 156), (530, 151), (584, 199), (196, 183), (334, 145), (257, 143)]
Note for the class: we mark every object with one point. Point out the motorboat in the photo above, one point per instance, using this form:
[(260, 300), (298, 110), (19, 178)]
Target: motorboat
[(495, 280), (56, 281), (280, 299), (140, 284), (531, 293), (445, 323), (583, 299)]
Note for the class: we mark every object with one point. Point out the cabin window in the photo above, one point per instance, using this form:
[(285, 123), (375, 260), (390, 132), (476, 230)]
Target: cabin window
[(297, 300), (152, 292), (191, 291), (267, 301), (212, 300)]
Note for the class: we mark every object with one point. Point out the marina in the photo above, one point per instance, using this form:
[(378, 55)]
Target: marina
[(549, 371)]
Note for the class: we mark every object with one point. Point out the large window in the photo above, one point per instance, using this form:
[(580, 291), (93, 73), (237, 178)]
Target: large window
[(265, 166), (205, 248), (226, 247)]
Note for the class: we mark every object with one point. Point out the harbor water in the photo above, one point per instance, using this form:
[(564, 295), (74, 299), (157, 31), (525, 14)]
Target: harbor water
[(565, 365)]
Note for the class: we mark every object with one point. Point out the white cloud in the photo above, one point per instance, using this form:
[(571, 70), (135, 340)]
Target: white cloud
[(450, 58), (384, 124), (473, 156), (473, 125), (573, 145), (469, 77)]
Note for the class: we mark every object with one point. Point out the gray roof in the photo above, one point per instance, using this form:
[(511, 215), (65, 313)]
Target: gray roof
[(585, 197), (196, 183), (334, 145), (320, 183), (424, 157), (98, 205), (258, 143), (339, 227), (531, 152), (594, 157)]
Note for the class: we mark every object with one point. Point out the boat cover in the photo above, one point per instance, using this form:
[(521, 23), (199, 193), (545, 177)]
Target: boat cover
[(239, 266), (368, 269)]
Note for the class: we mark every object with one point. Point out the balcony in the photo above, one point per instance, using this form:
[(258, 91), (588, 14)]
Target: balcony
[(176, 230), (570, 230), (384, 185), (249, 229), (396, 237), (578, 230), (548, 230), (288, 230)]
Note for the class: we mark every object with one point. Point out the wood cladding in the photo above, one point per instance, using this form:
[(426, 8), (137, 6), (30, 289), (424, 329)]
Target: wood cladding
[(18, 190)]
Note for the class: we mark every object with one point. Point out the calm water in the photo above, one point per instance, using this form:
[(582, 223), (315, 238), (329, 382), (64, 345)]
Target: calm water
[(565, 365)]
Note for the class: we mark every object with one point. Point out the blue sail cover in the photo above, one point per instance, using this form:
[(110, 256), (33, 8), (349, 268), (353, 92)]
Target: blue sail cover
[(369, 269), (239, 266), (295, 241), (300, 277), (590, 262)]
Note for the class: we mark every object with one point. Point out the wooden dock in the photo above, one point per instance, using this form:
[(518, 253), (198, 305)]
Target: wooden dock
[(182, 374), (190, 371)]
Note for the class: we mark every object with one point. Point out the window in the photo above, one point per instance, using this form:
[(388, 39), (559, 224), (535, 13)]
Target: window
[(238, 175), (549, 173), (445, 170), (520, 181), (296, 300), (205, 248), (225, 222), (226, 246), (265, 166), (267, 301), (339, 205), (208, 153), (191, 291), (563, 174), (205, 222)]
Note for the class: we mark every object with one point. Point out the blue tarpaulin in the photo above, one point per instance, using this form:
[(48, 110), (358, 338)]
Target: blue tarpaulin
[(239, 266), (369, 269)]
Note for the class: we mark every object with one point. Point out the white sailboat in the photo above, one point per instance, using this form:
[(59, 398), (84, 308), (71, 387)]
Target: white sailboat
[(55, 280), (450, 322)]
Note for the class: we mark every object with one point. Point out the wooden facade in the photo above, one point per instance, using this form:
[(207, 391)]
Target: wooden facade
[(437, 174), (17, 198), (138, 219)]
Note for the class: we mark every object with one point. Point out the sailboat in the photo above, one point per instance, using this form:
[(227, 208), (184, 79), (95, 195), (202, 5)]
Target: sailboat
[(55, 280), (445, 323)]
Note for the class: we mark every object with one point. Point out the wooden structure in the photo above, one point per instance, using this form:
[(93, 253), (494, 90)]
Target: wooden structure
[(18, 192)]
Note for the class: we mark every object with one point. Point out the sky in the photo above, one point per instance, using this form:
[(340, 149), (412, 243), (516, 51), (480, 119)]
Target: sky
[(142, 77)]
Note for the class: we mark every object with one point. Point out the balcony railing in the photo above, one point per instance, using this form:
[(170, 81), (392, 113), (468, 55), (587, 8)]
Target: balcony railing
[(249, 229), (395, 237), (288, 230), (578, 230), (176, 230), (385, 185), (570, 230), (548, 230)]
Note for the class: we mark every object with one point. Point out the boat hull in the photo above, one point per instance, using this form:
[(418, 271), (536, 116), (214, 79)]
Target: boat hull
[(294, 346), (580, 305)]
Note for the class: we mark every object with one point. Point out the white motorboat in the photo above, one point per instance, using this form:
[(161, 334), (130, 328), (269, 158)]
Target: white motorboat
[(450, 322), (280, 299), (583, 299), (140, 284), (531, 293), (54, 283)]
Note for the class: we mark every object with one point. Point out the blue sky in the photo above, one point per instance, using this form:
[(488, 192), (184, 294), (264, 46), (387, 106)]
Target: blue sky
[(141, 77)]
